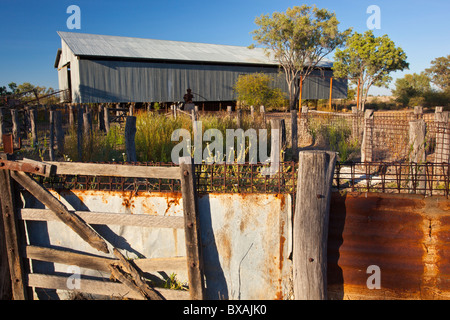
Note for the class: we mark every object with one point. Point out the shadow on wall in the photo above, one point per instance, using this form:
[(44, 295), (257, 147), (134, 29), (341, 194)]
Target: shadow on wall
[(335, 275), (216, 285)]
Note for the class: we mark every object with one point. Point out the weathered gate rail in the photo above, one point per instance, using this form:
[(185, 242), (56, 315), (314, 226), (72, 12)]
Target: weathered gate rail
[(121, 269), (388, 177)]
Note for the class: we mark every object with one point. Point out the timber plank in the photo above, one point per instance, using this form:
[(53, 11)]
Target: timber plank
[(11, 233), (122, 219), (115, 170), (192, 229), (72, 220), (108, 288), (89, 261)]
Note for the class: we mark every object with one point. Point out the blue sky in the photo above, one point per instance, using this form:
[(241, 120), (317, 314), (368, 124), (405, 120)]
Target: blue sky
[(28, 39)]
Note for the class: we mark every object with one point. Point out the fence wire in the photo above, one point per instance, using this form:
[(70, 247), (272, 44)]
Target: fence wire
[(429, 179)]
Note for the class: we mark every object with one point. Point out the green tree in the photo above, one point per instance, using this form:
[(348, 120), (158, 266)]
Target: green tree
[(298, 39), (368, 60), (439, 72), (411, 88), (255, 89)]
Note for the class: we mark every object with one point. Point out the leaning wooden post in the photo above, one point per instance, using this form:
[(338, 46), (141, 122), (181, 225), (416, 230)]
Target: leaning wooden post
[(367, 143), (417, 131), (310, 227), (130, 134), (192, 229), (294, 134), (11, 235)]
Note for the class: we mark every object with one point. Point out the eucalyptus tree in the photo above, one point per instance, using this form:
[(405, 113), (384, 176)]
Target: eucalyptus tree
[(298, 39), (367, 60)]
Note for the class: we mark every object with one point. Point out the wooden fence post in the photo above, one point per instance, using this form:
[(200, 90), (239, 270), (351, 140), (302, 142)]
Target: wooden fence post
[(294, 134), (33, 119), (192, 229), (11, 236), (59, 132), (106, 119), (239, 118), (71, 115), (87, 123), (303, 128), (229, 111), (51, 144), (277, 137), (130, 134), (15, 126), (310, 227), (101, 117), (367, 143), (2, 123), (252, 112), (80, 132)]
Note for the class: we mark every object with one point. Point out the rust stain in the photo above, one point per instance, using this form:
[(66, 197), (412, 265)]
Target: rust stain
[(172, 199), (282, 197), (127, 200)]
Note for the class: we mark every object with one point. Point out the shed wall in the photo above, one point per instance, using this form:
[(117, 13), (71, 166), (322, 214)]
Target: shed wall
[(138, 81)]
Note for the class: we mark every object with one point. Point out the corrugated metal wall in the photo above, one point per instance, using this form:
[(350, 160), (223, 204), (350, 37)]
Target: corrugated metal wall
[(406, 236), (126, 81)]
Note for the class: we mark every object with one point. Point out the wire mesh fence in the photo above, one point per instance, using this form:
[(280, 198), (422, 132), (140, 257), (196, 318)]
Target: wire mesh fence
[(382, 136), (429, 179)]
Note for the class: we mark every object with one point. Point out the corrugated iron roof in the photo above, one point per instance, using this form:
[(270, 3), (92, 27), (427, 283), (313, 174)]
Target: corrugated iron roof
[(83, 44)]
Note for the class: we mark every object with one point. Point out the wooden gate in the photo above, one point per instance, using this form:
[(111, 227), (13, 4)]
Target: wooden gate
[(126, 274)]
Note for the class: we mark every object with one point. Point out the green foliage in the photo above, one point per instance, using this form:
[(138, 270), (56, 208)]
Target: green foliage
[(153, 134), (255, 90), (370, 60), (26, 92), (173, 283), (298, 39), (97, 146), (336, 137), (410, 89), (439, 72)]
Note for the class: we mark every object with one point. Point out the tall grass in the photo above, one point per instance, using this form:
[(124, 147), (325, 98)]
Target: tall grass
[(153, 137)]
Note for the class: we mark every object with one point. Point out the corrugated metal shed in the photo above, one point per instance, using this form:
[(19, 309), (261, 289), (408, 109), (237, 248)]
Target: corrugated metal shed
[(122, 69), (93, 45)]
